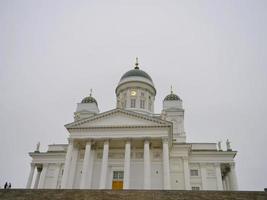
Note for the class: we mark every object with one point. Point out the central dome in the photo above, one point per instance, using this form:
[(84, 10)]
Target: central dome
[(136, 91), (136, 72)]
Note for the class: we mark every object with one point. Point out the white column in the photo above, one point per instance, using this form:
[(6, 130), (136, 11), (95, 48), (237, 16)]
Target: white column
[(57, 171), (224, 184), (147, 166), (104, 167), (29, 182), (41, 184), (91, 167), (64, 181), (186, 174), (227, 182), (86, 163), (203, 170), (73, 165), (219, 176), (166, 164), (232, 176), (127, 158), (37, 178)]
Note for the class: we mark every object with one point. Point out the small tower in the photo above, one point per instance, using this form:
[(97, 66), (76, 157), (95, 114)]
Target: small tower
[(87, 108), (173, 111)]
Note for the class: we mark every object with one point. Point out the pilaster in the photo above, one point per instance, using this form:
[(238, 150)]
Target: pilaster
[(166, 164), (57, 171), (203, 169), (186, 174), (147, 165), (127, 158)]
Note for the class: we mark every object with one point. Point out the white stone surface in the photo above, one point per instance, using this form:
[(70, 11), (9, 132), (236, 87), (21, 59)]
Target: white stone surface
[(147, 166)]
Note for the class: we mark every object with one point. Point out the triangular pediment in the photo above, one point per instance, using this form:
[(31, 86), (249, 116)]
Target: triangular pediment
[(118, 118)]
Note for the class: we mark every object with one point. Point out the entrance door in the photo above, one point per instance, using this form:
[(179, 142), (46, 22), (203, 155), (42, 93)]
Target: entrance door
[(117, 182)]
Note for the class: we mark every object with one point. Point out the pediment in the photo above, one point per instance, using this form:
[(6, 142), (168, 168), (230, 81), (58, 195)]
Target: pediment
[(118, 118)]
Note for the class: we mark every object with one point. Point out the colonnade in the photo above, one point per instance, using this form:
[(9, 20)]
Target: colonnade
[(40, 176), (228, 182), (86, 177)]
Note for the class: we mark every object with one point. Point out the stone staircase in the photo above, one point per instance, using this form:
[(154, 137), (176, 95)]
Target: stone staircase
[(46, 194)]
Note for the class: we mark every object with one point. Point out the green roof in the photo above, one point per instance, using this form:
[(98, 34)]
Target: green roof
[(172, 97), (136, 72), (89, 100)]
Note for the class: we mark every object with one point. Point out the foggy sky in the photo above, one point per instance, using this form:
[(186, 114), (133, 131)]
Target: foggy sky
[(212, 52)]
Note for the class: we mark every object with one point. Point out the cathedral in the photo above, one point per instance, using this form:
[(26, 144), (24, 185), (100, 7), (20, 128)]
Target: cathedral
[(131, 147)]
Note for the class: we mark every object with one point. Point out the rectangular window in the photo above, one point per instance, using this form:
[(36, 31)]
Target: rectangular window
[(142, 104), (193, 172), (142, 94), (117, 175), (195, 188), (132, 103)]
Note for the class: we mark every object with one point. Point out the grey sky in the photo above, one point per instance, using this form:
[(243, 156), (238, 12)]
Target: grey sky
[(212, 52)]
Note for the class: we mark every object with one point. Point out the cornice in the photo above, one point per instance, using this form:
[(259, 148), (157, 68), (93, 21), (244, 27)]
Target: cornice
[(120, 127), (212, 152), (48, 153)]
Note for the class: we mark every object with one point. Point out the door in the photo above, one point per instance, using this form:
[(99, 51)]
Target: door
[(117, 182)]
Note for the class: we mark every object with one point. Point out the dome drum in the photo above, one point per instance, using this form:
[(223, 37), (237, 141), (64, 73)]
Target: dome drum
[(136, 91)]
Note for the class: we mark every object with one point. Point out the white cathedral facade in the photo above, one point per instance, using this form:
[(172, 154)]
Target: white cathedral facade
[(131, 147)]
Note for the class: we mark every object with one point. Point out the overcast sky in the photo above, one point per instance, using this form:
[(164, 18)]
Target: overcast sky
[(212, 52)]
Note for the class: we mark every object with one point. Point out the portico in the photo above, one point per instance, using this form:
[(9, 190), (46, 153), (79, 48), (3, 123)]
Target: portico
[(116, 153)]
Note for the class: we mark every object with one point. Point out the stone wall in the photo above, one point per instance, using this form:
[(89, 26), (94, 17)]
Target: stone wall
[(38, 194)]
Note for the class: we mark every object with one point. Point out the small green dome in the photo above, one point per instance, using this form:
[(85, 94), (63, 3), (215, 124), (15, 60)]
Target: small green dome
[(89, 99), (136, 72), (172, 97)]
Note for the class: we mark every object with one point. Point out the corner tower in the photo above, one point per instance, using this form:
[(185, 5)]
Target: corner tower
[(173, 111), (136, 91), (87, 108)]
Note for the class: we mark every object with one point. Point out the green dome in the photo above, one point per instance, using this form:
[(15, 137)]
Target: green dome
[(89, 99), (172, 97), (136, 72)]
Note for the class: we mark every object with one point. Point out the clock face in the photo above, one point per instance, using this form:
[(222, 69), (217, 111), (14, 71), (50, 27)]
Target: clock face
[(133, 93)]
